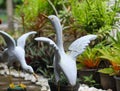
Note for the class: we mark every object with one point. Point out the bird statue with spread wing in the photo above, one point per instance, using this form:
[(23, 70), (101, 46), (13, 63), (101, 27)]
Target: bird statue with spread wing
[(63, 62), (15, 51)]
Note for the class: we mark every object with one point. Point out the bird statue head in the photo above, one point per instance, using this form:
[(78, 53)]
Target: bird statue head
[(55, 21), (30, 70)]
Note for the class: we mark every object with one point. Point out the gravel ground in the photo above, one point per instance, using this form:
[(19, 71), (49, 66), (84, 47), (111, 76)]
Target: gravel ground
[(42, 82)]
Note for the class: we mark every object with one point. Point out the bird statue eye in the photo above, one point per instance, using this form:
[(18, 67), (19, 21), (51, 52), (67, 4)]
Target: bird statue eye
[(52, 18), (28, 70)]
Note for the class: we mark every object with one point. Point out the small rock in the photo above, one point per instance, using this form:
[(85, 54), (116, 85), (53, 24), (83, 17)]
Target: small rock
[(83, 88), (93, 89), (22, 74), (27, 77), (109, 90), (33, 79), (44, 88), (38, 83)]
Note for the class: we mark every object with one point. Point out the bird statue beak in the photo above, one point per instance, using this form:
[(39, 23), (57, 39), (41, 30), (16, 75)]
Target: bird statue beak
[(36, 76), (44, 16)]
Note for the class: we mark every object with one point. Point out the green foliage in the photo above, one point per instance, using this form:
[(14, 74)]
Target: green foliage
[(17, 1), (111, 51), (32, 7), (109, 71), (63, 80), (115, 41), (29, 11), (106, 53), (40, 57), (89, 58), (93, 15), (1, 2), (89, 81), (112, 54)]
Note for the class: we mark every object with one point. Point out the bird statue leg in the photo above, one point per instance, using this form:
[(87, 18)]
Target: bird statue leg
[(19, 75), (71, 88), (58, 86), (10, 78)]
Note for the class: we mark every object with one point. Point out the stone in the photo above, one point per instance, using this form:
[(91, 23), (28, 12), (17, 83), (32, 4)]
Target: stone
[(44, 88)]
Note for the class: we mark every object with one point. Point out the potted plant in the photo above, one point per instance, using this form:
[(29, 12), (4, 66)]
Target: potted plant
[(13, 87), (111, 54), (106, 74), (63, 84), (90, 81), (88, 62)]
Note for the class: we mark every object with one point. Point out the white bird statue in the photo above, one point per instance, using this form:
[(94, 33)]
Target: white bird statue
[(63, 62), (15, 51)]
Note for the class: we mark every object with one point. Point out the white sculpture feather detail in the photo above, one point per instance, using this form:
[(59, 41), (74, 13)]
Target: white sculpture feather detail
[(79, 45), (47, 40), (9, 40), (66, 62), (21, 40)]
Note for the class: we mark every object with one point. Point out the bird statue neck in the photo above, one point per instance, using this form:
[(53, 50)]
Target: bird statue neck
[(23, 64), (59, 41)]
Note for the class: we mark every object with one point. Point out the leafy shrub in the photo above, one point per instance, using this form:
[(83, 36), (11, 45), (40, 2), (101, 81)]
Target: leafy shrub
[(40, 57), (93, 15)]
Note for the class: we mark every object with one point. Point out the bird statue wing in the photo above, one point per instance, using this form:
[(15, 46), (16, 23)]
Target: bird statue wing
[(47, 40), (79, 45), (9, 40), (21, 41), (57, 57)]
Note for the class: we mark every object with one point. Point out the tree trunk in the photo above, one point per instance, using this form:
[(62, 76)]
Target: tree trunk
[(9, 5)]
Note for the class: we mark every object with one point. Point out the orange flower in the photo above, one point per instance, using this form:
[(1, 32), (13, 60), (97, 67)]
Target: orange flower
[(115, 66), (91, 64)]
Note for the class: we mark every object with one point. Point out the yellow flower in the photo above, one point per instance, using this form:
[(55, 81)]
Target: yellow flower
[(22, 85), (12, 85)]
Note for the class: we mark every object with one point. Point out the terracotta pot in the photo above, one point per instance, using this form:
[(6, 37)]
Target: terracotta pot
[(54, 87), (117, 80), (107, 82)]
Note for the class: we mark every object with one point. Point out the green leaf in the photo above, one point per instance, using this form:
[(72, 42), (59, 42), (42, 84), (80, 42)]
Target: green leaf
[(1, 1), (107, 71)]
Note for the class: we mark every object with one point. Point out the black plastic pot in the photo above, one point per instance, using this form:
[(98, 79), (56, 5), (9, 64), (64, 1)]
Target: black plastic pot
[(88, 72), (107, 82), (55, 87), (117, 80)]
